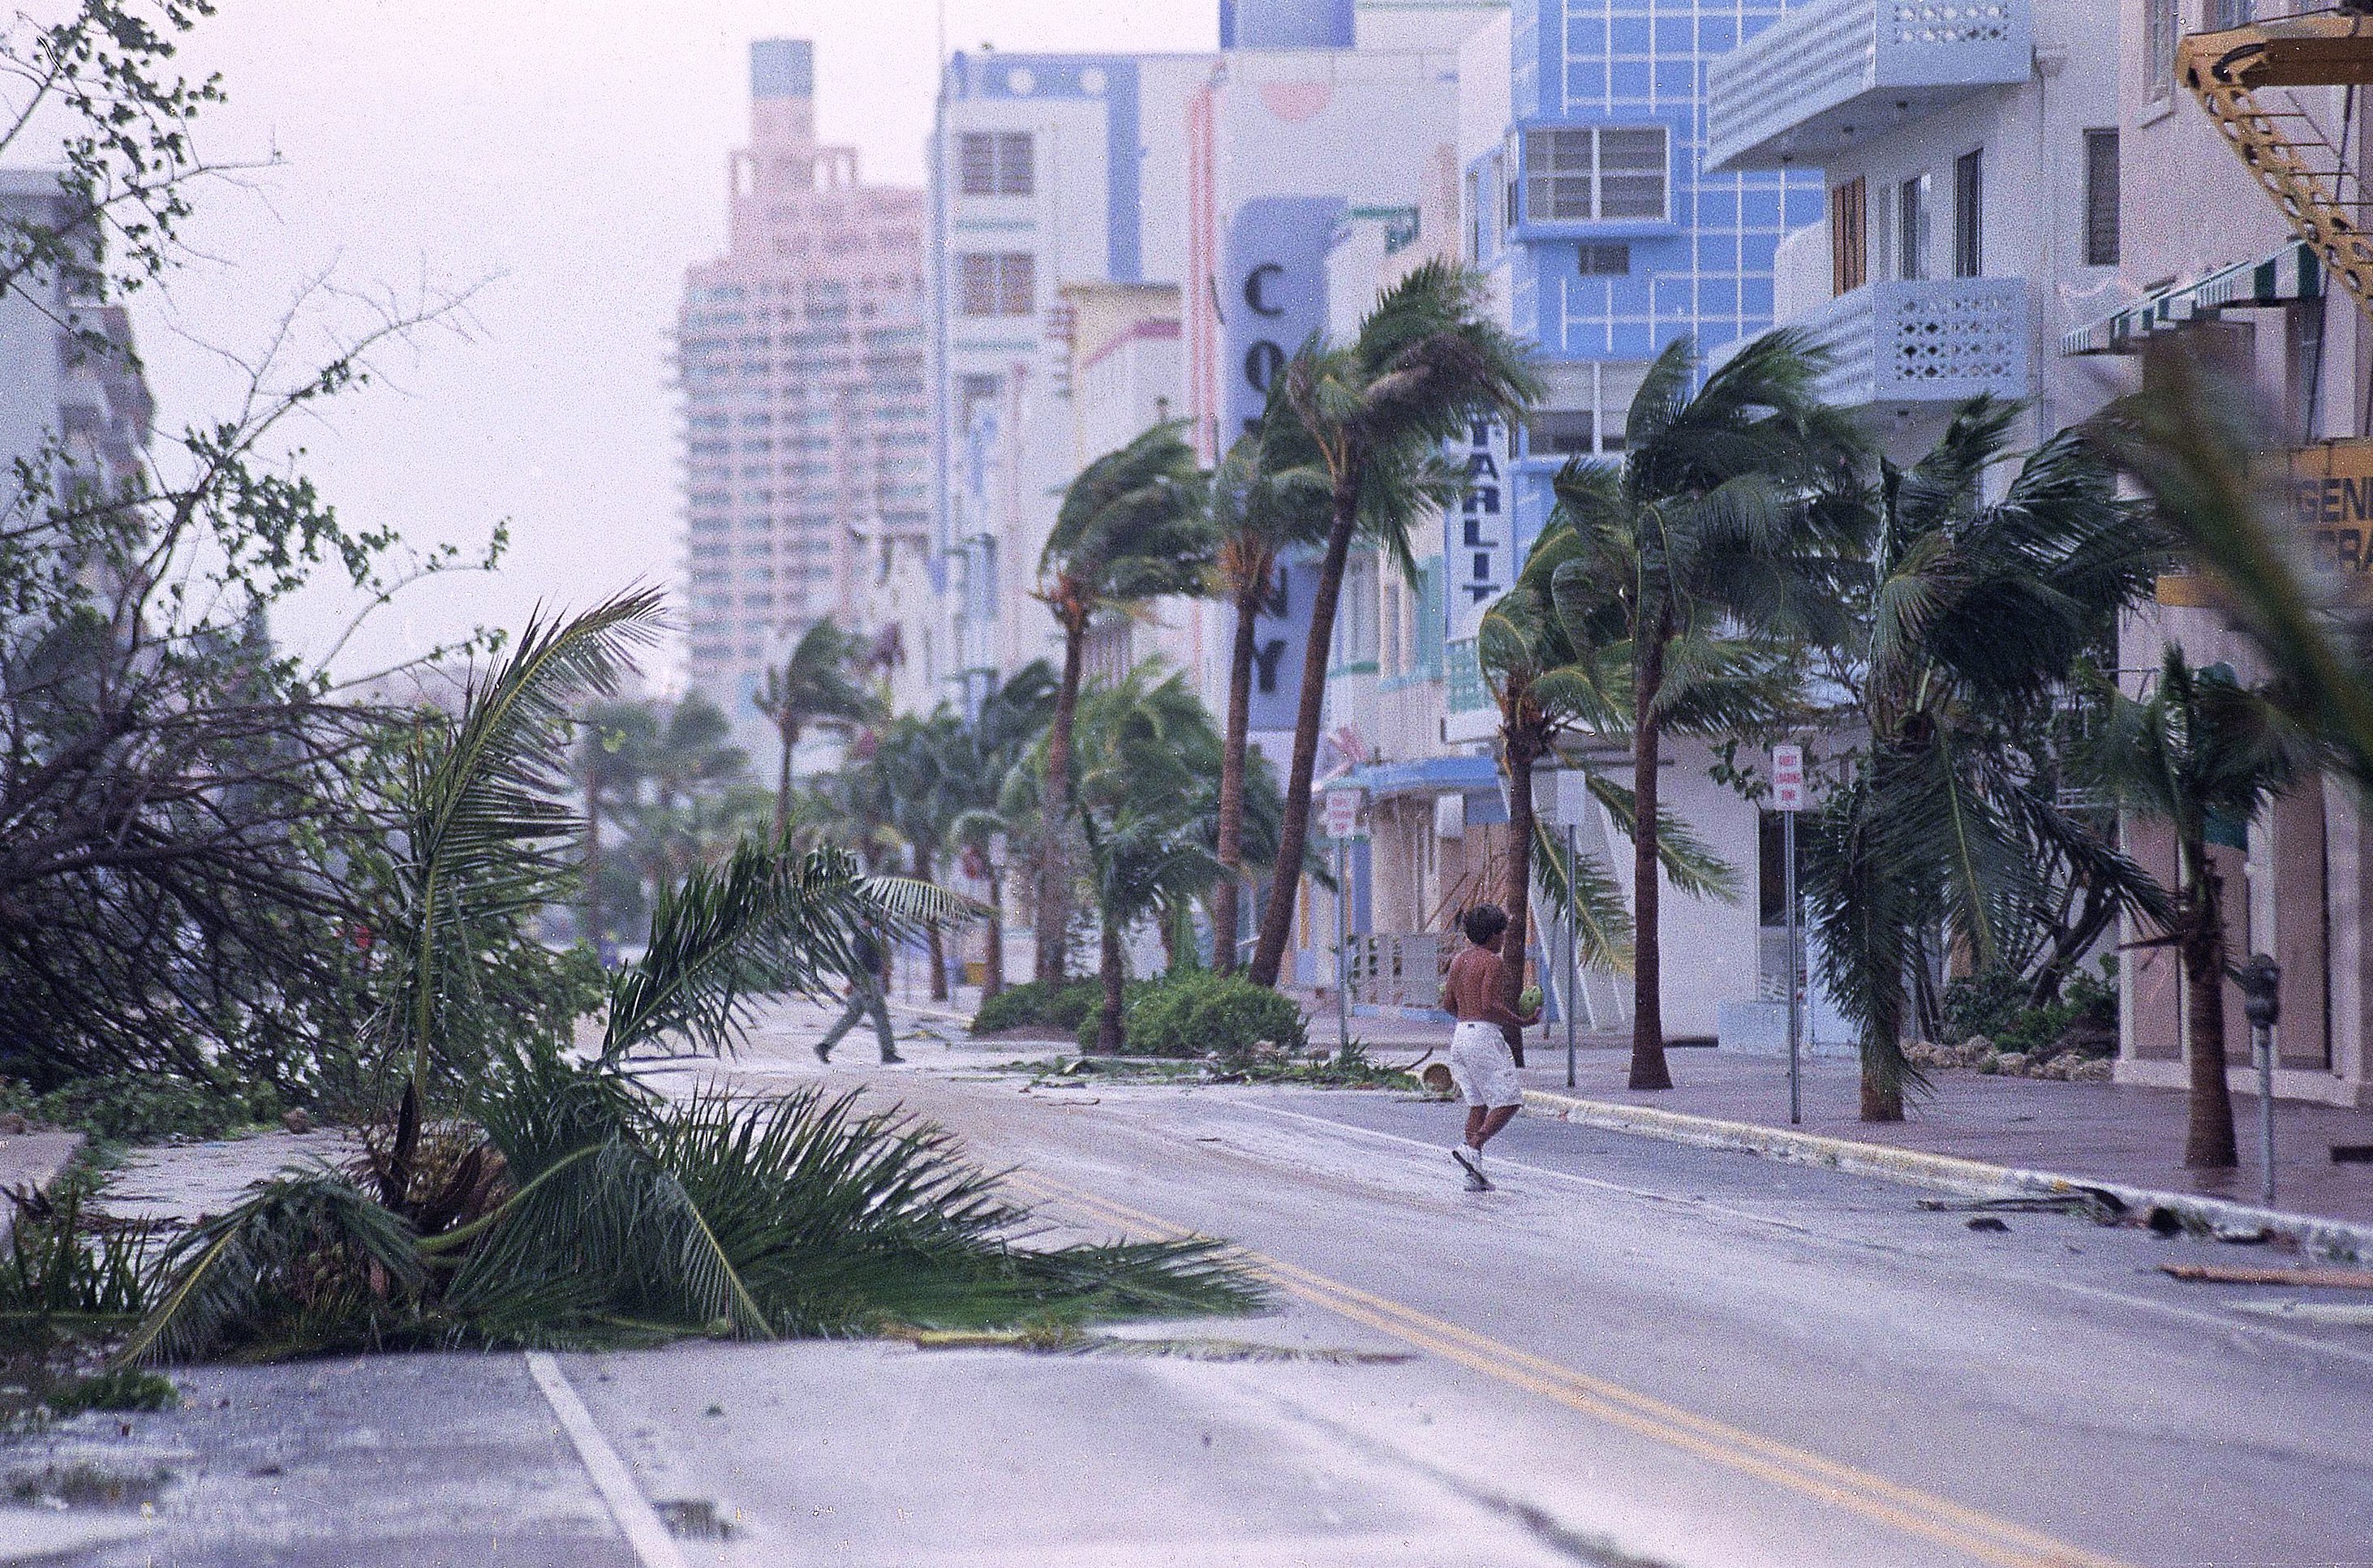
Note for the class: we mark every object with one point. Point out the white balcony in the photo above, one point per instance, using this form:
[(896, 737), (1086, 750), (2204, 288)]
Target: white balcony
[(1939, 340), (1838, 74)]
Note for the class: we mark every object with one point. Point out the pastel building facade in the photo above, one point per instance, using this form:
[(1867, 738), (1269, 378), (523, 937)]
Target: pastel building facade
[(802, 356), (91, 410), (2207, 257)]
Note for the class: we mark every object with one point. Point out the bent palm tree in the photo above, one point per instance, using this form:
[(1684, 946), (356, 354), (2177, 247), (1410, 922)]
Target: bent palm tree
[(1977, 620), (818, 685), (1701, 554), (1132, 527), (2202, 755), (986, 755), (1379, 409), (1269, 496)]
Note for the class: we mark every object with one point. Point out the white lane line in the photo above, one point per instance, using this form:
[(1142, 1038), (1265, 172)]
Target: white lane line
[(636, 1519), (2179, 1314)]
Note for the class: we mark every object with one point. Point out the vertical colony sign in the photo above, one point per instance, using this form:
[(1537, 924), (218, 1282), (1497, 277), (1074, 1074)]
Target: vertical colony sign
[(1273, 283)]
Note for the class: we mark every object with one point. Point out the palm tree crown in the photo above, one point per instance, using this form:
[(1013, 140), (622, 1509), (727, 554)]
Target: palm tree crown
[(1377, 409), (819, 684), (1132, 527)]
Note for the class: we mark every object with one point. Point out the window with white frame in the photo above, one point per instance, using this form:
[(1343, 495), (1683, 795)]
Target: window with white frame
[(2162, 25), (1584, 410), (1595, 174), (1000, 282), (1355, 616)]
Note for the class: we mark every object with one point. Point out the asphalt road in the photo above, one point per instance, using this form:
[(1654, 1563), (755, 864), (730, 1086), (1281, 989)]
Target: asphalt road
[(1632, 1351)]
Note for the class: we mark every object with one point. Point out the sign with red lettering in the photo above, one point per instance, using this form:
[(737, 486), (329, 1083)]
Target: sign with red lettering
[(1787, 778), (1343, 813)]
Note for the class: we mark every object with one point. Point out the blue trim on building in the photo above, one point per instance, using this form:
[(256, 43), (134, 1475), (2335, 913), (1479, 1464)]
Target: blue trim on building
[(1124, 170), (1383, 781)]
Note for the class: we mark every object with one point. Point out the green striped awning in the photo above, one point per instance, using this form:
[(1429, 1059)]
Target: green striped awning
[(2292, 273)]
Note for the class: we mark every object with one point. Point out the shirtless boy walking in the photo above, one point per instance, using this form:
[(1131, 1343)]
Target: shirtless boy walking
[(1480, 1061)]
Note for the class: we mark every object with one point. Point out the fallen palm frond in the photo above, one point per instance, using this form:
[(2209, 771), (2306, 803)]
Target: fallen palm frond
[(638, 1219)]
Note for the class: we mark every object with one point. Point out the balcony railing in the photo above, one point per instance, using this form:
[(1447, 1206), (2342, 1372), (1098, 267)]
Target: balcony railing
[(1839, 74), (1937, 340)]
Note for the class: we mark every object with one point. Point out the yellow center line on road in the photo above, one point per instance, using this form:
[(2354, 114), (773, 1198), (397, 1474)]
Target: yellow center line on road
[(1874, 1497)]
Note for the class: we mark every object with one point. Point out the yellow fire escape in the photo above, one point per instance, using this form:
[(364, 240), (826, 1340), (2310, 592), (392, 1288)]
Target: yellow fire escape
[(2314, 180)]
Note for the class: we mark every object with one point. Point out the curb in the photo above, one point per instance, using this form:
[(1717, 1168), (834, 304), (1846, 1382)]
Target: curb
[(1947, 1172)]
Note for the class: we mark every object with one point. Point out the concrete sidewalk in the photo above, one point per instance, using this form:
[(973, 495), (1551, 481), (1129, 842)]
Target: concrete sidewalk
[(2103, 1132)]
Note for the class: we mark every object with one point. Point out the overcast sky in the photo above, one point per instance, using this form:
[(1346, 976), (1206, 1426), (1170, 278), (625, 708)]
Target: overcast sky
[(567, 156)]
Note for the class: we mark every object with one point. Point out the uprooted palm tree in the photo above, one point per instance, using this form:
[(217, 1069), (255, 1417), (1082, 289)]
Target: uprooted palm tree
[(1708, 547), (558, 1200), (820, 685), (1954, 816), (1270, 495), (1132, 527), (1379, 409), (2204, 754)]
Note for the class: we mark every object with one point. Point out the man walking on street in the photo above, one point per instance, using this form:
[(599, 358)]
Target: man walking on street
[(866, 1000), (1481, 1060)]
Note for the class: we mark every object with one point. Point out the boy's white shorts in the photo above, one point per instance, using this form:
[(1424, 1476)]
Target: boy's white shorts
[(1483, 1066)]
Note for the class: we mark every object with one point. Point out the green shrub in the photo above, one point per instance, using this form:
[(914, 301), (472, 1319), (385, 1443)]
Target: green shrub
[(125, 1389), (1033, 1003), (145, 1108), (1194, 1013), (1235, 1018), (1995, 1005)]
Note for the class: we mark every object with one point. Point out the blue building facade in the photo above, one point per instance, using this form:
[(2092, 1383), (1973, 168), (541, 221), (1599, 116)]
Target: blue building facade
[(1615, 239)]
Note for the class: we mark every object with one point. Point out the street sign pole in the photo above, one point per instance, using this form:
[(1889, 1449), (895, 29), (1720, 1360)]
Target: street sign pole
[(1342, 949), (1573, 947), (1796, 1020), (1788, 799)]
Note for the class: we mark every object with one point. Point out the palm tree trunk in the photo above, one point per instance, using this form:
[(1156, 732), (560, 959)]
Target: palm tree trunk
[(790, 735), (1882, 1096), (1515, 894), (1227, 892), (2209, 1141), (593, 866), (1649, 1068), (992, 947), (1054, 914), (1277, 921), (1113, 970)]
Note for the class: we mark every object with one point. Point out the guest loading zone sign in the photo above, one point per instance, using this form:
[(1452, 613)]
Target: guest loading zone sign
[(2330, 492)]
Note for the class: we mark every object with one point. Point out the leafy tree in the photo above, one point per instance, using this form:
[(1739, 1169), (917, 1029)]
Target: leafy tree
[(819, 686), (1132, 527), (1693, 562), (1955, 815), (2201, 753), (1269, 496), (191, 863), (1378, 410)]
